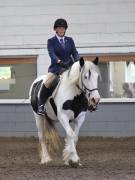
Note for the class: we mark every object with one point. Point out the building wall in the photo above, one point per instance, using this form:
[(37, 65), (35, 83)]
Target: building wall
[(27, 24), (96, 26), (111, 119)]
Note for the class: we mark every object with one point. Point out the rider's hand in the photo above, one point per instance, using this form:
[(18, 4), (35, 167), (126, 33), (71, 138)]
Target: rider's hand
[(58, 61), (62, 64)]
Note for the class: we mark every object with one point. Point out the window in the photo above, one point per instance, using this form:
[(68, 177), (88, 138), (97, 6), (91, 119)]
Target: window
[(118, 76), (130, 72), (5, 76), (16, 76)]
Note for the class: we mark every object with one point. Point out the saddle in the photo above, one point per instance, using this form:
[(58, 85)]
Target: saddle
[(35, 90)]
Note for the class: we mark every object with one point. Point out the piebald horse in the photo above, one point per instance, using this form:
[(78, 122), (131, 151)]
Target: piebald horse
[(75, 93)]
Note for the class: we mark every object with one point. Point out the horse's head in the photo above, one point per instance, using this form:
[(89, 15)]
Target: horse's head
[(88, 82)]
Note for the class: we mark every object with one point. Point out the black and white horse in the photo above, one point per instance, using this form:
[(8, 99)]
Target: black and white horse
[(76, 93)]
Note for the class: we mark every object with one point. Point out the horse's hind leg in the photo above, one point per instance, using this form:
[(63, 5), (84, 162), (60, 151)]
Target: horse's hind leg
[(40, 122)]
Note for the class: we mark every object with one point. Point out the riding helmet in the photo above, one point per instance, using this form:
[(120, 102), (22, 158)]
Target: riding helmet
[(60, 23)]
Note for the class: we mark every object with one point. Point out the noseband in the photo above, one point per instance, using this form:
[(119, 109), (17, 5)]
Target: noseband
[(84, 91)]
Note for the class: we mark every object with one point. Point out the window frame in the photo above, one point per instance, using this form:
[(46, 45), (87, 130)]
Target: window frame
[(9, 61)]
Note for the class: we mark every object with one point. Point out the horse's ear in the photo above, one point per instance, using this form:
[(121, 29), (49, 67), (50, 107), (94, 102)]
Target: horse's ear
[(95, 61), (81, 61)]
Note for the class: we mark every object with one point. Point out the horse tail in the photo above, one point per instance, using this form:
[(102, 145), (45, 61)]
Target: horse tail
[(53, 141)]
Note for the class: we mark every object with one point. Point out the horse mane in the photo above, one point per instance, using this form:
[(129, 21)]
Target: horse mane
[(72, 75)]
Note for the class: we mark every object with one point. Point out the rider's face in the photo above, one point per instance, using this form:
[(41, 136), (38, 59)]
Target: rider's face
[(60, 31)]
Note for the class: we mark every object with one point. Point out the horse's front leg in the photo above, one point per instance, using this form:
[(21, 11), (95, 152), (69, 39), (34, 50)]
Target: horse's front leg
[(78, 123), (70, 155)]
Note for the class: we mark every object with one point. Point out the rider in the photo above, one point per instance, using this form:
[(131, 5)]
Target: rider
[(63, 54)]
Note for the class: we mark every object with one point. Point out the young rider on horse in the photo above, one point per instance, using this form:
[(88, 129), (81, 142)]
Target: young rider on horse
[(63, 54)]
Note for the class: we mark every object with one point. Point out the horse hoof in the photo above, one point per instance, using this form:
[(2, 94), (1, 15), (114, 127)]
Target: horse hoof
[(80, 164), (74, 164), (66, 163), (45, 161)]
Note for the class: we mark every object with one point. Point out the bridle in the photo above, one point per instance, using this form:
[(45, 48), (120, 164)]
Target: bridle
[(88, 91), (84, 89)]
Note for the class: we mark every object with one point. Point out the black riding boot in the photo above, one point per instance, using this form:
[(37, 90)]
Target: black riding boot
[(43, 95)]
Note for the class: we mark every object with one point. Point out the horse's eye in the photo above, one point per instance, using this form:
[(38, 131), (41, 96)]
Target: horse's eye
[(85, 77)]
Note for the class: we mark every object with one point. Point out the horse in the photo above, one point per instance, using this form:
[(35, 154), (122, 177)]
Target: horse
[(75, 94)]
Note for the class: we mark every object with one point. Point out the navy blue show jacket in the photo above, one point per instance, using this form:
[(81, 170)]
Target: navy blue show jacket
[(57, 51)]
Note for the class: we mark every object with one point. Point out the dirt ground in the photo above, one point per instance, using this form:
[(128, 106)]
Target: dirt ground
[(101, 158)]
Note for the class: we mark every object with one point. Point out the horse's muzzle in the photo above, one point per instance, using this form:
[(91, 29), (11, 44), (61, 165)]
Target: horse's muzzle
[(93, 103)]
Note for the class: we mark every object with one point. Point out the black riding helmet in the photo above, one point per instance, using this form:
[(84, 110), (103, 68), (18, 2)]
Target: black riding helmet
[(60, 23)]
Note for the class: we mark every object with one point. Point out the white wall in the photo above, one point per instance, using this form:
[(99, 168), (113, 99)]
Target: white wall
[(28, 23), (106, 26)]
